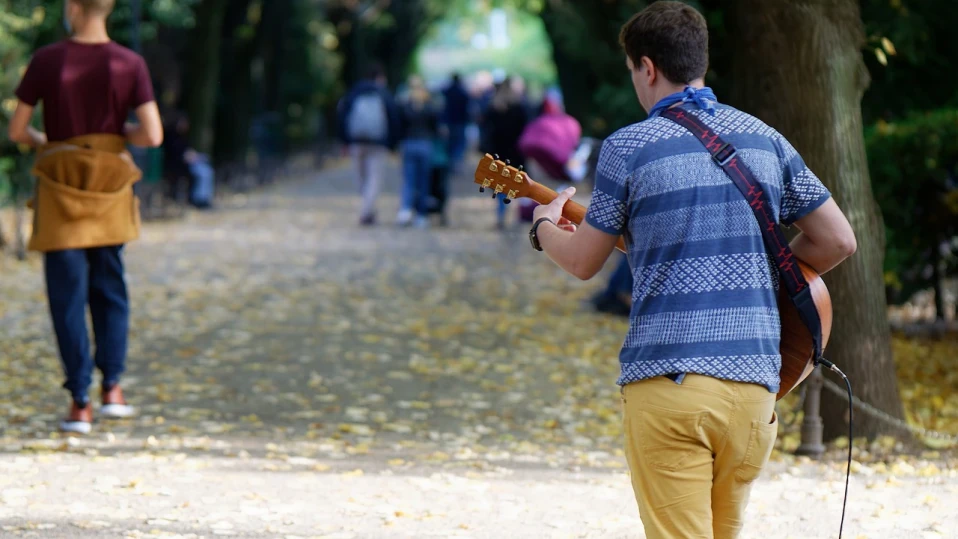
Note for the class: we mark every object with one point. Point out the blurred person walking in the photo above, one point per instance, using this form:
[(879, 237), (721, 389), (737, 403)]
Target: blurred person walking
[(85, 209), (548, 143), (456, 112), (419, 129), (368, 125), (505, 120)]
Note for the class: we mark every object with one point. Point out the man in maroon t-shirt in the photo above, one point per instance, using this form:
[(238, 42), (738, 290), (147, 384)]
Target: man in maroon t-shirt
[(88, 85)]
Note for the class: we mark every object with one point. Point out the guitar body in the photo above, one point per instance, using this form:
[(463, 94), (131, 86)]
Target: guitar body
[(797, 348)]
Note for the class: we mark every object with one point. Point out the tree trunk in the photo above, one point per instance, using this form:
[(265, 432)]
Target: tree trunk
[(3, 237), (275, 20), (396, 47), (21, 237), (204, 73), (938, 281), (798, 66), (577, 80), (354, 52), (22, 187), (233, 112)]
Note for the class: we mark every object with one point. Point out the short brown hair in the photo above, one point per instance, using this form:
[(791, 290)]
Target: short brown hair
[(671, 34), (96, 6)]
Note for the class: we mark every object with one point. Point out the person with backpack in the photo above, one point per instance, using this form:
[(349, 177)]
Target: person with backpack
[(85, 208), (368, 125)]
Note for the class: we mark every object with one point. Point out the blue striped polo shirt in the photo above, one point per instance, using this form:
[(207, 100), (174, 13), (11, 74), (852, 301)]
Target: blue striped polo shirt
[(704, 292)]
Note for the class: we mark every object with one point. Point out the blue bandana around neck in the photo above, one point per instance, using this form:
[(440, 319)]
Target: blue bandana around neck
[(703, 97)]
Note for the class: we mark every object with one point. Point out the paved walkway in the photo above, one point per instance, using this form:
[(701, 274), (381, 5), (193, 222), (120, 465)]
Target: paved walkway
[(298, 376)]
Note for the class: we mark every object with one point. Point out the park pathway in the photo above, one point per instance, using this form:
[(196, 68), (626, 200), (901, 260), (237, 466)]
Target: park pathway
[(299, 376)]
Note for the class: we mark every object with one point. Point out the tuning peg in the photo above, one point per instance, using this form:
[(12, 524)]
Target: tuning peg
[(494, 195), (496, 156), (482, 189), (506, 201), (508, 162), (521, 168)]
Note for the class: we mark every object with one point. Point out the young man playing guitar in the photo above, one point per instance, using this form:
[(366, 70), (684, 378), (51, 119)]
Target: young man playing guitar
[(700, 364), (85, 209)]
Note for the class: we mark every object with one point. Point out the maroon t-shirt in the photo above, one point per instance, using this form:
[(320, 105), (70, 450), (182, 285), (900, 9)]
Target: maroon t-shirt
[(85, 88)]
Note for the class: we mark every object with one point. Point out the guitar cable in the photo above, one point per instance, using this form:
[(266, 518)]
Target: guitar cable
[(848, 470)]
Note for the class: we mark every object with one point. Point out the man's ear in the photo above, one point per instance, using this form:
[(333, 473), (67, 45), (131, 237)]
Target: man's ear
[(650, 68)]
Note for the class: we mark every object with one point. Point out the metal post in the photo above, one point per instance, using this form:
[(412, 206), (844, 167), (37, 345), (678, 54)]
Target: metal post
[(812, 426), (139, 154)]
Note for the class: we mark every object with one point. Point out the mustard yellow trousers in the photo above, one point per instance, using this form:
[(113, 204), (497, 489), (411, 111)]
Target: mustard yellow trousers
[(694, 449)]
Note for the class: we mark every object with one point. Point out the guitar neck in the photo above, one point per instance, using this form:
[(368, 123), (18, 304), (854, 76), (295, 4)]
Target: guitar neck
[(572, 210)]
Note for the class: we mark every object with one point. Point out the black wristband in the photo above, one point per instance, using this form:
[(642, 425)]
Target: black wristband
[(533, 236)]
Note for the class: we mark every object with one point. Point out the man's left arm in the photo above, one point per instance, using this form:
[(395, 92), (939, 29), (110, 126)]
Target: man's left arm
[(20, 130)]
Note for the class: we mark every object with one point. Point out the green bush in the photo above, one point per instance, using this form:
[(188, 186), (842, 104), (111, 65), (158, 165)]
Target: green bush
[(913, 166), (19, 21)]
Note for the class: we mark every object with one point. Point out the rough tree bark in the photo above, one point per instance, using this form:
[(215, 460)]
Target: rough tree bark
[(798, 66), (275, 19), (938, 281), (576, 78), (20, 237)]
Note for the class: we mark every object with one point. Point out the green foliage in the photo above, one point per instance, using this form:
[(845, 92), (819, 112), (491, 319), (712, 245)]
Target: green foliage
[(311, 74), (19, 21), (391, 36), (154, 15), (449, 49), (910, 54), (913, 164)]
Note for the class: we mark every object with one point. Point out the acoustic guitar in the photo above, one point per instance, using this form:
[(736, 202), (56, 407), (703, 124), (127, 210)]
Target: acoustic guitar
[(797, 348)]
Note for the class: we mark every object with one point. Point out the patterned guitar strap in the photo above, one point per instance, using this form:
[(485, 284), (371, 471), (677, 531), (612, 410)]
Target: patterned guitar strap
[(726, 156)]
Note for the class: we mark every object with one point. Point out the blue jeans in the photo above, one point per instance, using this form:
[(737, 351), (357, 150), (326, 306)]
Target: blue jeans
[(77, 278), (417, 165), (204, 181)]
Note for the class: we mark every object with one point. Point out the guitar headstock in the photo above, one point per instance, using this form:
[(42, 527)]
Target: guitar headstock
[(501, 177)]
